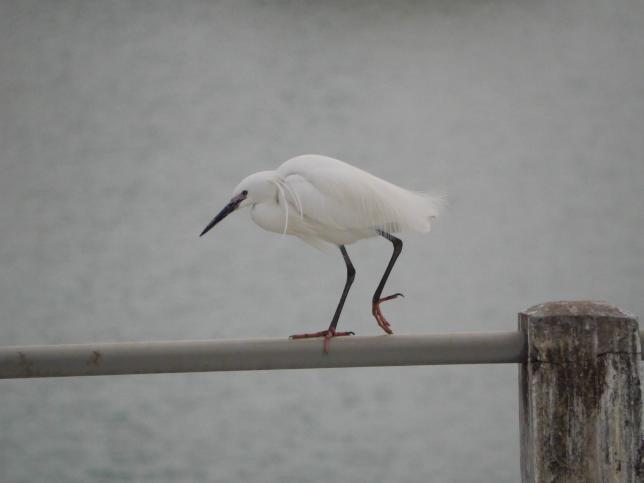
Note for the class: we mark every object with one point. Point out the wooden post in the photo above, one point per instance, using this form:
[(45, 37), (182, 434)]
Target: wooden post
[(580, 398)]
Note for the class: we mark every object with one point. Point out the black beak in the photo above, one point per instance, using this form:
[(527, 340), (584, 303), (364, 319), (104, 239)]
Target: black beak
[(228, 209)]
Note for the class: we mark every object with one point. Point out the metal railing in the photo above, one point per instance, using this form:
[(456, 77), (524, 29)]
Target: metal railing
[(259, 354)]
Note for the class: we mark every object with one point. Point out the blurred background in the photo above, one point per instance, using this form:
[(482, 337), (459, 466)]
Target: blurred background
[(124, 127)]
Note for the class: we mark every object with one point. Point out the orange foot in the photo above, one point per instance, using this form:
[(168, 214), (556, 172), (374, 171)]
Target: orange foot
[(327, 334), (375, 310)]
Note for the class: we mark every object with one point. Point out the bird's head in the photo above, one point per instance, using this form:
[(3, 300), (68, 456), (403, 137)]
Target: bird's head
[(253, 189)]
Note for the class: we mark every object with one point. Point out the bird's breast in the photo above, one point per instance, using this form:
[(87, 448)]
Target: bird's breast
[(270, 217)]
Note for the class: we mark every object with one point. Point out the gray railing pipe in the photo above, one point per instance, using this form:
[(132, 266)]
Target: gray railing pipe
[(259, 354)]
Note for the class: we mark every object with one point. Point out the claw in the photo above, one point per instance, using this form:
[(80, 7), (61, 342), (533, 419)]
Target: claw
[(391, 297), (377, 313), (327, 334)]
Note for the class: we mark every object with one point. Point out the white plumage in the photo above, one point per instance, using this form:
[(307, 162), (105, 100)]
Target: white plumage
[(321, 199), (325, 201)]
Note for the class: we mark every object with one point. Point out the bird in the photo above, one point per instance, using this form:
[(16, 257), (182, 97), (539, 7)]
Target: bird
[(326, 202)]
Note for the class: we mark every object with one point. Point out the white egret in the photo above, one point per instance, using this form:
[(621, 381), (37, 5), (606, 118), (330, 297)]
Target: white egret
[(324, 201)]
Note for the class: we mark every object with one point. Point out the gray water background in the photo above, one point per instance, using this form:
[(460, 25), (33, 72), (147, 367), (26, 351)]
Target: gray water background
[(124, 127)]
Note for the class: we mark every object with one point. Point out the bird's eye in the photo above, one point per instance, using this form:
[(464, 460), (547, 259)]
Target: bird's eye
[(245, 192)]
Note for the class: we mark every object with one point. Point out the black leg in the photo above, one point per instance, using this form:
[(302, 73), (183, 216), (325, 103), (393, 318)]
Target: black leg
[(351, 273), (377, 299), (330, 332)]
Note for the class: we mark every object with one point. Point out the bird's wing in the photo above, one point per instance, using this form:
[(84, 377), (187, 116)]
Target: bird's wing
[(342, 196)]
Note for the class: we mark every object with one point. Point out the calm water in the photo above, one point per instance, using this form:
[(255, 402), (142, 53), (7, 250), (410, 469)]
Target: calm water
[(123, 129)]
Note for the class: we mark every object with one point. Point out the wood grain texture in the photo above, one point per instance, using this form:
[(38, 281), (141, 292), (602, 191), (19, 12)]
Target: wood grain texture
[(580, 396)]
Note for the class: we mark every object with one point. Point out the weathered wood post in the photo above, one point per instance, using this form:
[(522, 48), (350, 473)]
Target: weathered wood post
[(580, 398)]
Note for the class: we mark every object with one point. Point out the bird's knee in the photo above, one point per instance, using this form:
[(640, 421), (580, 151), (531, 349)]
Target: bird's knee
[(351, 273)]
